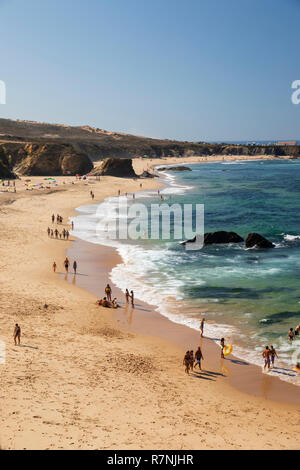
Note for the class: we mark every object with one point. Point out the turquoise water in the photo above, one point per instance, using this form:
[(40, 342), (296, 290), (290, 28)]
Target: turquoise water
[(252, 297)]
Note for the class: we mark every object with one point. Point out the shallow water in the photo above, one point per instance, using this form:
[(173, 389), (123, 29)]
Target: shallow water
[(252, 297)]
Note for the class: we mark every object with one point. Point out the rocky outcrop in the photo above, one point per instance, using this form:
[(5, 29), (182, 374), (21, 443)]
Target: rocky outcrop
[(174, 168), (258, 241), (120, 167), (5, 172), (211, 238), (147, 174), (51, 159)]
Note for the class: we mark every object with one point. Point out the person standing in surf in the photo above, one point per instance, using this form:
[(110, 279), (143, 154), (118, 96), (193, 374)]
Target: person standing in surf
[(273, 354), (202, 327), (266, 355)]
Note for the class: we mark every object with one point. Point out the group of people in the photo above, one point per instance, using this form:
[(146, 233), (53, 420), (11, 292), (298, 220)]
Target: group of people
[(92, 195), (65, 234), (269, 355), (107, 301), (59, 219), (66, 265), (190, 361), (292, 333)]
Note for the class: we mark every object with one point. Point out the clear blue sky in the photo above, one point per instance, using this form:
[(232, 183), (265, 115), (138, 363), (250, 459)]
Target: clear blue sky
[(190, 69)]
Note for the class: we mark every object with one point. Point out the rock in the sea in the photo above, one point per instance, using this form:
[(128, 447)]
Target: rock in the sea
[(121, 167), (257, 240), (222, 237), (174, 168), (52, 159)]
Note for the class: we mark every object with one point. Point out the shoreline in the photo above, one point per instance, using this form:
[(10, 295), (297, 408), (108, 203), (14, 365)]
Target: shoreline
[(242, 375), (76, 362)]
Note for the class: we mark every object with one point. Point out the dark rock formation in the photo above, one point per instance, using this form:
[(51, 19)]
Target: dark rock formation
[(121, 167), (51, 159), (174, 168), (221, 237), (5, 172), (147, 174), (257, 240)]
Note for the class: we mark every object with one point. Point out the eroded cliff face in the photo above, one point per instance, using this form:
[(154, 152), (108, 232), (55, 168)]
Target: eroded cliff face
[(46, 159), (120, 167), (33, 148)]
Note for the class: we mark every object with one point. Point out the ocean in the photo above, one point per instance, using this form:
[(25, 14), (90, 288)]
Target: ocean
[(249, 296)]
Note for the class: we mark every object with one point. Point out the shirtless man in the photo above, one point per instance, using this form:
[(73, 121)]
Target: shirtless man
[(17, 334), (198, 357), (192, 360), (266, 355), (108, 292), (127, 295)]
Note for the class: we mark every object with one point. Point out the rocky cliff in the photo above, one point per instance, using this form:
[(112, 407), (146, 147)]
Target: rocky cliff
[(36, 148), (120, 167)]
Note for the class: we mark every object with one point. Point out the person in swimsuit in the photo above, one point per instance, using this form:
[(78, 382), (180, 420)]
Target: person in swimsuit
[(273, 354), (198, 357), (67, 264), (186, 362), (297, 330), (54, 267), (132, 297), (17, 334), (222, 348), (192, 360), (75, 267), (266, 355), (49, 231), (127, 295), (53, 218), (291, 335), (202, 327), (108, 292)]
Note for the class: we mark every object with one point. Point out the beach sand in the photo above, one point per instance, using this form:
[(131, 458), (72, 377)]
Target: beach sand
[(85, 378)]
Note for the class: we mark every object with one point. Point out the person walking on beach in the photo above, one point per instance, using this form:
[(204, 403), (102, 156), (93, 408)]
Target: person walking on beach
[(54, 267), (127, 295), (67, 234), (132, 297), (291, 335), (266, 355), (202, 327), (192, 360), (108, 292), (56, 233), (198, 358), (49, 231), (67, 264), (273, 354), (17, 334), (53, 218), (222, 348), (186, 362), (75, 267), (72, 225)]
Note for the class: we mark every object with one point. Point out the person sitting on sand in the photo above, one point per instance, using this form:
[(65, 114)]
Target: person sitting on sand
[(115, 303), (17, 334), (266, 355), (291, 335), (186, 362), (104, 303), (108, 292), (273, 354), (198, 357)]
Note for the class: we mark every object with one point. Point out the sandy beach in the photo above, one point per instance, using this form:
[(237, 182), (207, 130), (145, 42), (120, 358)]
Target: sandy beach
[(86, 377)]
